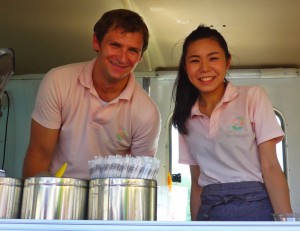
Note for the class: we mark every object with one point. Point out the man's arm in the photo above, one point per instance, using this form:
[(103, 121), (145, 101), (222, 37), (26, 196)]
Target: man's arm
[(40, 151)]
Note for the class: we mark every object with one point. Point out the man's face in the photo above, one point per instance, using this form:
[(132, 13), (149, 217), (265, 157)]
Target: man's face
[(118, 53)]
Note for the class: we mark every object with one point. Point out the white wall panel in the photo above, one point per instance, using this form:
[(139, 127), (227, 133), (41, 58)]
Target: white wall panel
[(22, 92), (284, 95)]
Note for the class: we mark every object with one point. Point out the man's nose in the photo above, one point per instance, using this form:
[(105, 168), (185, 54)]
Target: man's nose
[(123, 56)]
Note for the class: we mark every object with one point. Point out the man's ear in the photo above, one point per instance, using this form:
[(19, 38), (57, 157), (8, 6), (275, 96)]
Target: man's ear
[(96, 44), (141, 58)]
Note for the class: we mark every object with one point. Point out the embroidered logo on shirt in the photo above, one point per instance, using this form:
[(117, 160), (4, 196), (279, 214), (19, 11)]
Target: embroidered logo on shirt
[(238, 123), (237, 129), (122, 134), (119, 141)]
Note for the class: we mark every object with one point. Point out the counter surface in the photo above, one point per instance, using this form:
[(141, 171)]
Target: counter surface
[(22, 224)]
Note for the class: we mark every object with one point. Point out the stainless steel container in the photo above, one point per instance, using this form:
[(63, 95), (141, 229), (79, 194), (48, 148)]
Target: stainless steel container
[(286, 217), (2, 173), (10, 197), (54, 198), (122, 199)]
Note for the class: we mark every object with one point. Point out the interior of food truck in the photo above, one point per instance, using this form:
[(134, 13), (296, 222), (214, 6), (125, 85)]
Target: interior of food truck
[(263, 38)]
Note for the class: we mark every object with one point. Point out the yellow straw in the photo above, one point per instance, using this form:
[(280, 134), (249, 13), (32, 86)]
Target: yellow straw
[(170, 180), (61, 170)]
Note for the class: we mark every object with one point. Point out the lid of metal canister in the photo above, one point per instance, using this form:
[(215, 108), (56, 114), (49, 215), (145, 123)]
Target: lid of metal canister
[(135, 182), (56, 181), (8, 181)]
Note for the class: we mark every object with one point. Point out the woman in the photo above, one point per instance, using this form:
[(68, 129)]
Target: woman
[(228, 136)]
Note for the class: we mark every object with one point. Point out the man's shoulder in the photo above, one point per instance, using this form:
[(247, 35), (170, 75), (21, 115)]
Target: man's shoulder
[(69, 73), (141, 96), (69, 68), (143, 104)]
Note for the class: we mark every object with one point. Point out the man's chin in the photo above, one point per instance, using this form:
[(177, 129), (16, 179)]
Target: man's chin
[(118, 78)]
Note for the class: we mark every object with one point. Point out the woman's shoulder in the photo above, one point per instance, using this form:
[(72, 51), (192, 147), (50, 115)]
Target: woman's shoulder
[(245, 92), (249, 89)]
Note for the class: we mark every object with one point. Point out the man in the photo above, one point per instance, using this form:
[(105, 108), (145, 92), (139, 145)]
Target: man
[(95, 108)]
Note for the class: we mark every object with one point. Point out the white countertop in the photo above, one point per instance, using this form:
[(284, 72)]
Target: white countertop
[(22, 224)]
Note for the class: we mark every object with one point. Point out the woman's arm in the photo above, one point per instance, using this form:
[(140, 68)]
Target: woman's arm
[(274, 178), (196, 190)]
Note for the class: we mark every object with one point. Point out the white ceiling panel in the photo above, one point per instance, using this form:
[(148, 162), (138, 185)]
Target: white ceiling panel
[(49, 33)]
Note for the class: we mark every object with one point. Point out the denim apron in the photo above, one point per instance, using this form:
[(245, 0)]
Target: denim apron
[(241, 201)]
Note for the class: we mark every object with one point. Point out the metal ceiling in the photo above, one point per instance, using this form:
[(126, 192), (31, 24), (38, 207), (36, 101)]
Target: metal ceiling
[(49, 33)]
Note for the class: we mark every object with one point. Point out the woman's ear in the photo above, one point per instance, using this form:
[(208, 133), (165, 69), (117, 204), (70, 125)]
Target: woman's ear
[(96, 44), (228, 62)]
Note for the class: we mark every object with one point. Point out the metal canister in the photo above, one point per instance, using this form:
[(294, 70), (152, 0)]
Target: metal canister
[(54, 198), (2, 173), (10, 197), (122, 199)]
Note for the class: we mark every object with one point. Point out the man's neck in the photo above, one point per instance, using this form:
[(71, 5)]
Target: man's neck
[(107, 91)]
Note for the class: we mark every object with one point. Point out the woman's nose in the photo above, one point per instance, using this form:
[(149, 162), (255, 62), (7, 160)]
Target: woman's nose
[(205, 66)]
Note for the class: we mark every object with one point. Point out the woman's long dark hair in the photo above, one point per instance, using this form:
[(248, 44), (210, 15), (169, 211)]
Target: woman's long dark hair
[(184, 93)]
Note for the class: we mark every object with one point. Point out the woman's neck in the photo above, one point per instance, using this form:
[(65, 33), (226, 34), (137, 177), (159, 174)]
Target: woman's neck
[(209, 100)]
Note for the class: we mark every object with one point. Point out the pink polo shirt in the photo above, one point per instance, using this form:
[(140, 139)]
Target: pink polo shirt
[(225, 146), (67, 100)]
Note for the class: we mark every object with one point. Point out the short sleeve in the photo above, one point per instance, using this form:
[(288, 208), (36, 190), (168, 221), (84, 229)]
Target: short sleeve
[(185, 156), (47, 109), (146, 136), (265, 123)]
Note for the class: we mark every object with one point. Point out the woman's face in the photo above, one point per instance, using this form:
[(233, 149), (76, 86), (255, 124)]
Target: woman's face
[(206, 65)]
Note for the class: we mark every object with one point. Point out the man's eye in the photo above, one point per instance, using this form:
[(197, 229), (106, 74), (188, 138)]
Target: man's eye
[(114, 44), (134, 51)]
